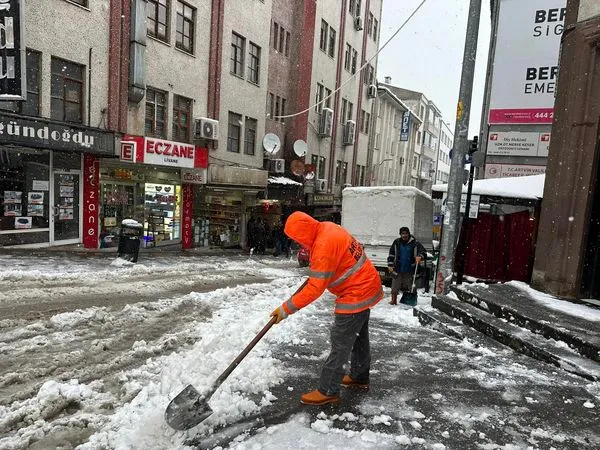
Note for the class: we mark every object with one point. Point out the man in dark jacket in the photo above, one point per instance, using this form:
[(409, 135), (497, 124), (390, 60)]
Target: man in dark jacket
[(405, 253)]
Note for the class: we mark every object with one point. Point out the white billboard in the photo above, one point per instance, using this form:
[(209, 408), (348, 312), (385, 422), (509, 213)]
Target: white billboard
[(517, 143), (525, 66), (512, 170)]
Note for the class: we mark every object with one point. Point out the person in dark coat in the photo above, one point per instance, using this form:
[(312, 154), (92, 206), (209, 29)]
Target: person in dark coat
[(405, 253), (250, 233)]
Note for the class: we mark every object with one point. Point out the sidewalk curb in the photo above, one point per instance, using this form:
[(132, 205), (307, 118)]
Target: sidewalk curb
[(489, 304)]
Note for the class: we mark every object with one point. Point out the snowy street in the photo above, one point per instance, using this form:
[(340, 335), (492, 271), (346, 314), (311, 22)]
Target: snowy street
[(92, 351)]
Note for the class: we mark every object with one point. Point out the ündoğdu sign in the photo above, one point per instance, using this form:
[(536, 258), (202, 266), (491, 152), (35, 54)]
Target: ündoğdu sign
[(525, 65), (12, 59)]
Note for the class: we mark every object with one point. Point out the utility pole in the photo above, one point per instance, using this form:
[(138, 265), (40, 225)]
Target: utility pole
[(459, 150)]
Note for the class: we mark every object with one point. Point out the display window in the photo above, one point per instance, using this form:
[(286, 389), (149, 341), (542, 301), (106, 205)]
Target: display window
[(162, 205), (218, 219), (24, 196), (118, 203)]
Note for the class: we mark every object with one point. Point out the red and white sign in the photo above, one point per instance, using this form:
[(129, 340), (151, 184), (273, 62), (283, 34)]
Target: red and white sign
[(512, 170), (518, 143), (91, 199), (187, 194), (160, 152), (525, 64)]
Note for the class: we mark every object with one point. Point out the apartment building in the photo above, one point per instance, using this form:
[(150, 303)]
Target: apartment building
[(396, 132), (51, 142), (340, 120)]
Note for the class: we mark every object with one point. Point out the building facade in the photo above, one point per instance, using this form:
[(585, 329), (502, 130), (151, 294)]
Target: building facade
[(51, 143), (395, 137)]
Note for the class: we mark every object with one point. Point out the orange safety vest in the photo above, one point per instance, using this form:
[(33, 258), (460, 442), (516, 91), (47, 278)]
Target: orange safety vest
[(337, 263)]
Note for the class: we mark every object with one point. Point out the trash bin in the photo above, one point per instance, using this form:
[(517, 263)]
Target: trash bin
[(129, 240)]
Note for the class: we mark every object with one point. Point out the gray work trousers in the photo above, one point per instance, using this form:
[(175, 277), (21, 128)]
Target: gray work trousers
[(349, 337)]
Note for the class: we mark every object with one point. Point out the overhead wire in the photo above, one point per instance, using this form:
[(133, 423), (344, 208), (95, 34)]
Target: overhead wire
[(357, 72)]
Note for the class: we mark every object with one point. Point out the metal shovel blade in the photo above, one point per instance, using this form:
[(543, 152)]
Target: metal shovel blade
[(187, 410)]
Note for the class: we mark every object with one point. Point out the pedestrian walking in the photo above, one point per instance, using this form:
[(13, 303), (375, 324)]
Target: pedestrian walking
[(338, 264), (406, 253)]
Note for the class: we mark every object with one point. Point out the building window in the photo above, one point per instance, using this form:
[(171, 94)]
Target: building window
[(30, 107), (156, 112), (182, 113), (275, 37), (348, 57), (338, 168), (287, 43), (66, 91), (323, 39), (370, 24), (158, 19), (375, 29), (344, 110), (234, 132), (254, 63), (319, 98), (327, 98), (322, 166), (249, 136), (344, 173), (331, 47), (354, 60), (186, 18), (238, 44)]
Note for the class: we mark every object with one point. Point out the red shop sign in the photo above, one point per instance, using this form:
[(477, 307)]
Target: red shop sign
[(146, 150), (91, 197)]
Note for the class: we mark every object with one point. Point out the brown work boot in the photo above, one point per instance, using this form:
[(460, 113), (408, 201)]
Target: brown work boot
[(317, 398), (347, 381)]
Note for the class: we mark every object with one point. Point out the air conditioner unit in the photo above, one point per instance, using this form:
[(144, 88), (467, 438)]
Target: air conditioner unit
[(278, 165), (321, 185), (206, 129), (349, 133), (358, 23), (325, 122), (372, 91)]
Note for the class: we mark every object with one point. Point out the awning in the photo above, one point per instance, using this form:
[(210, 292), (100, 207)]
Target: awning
[(283, 180)]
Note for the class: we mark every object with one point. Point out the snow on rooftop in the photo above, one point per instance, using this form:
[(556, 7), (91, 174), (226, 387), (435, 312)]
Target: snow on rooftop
[(528, 187)]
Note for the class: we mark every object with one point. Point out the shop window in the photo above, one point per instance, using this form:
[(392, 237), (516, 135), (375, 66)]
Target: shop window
[(186, 20), (66, 91), (24, 195), (158, 19), (234, 132), (156, 106), (30, 107), (254, 63), (250, 136), (182, 112), (238, 47)]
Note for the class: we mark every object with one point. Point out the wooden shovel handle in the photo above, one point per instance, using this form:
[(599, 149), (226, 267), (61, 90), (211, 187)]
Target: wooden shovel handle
[(242, 355)]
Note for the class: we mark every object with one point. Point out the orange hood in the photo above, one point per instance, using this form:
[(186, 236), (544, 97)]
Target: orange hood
[(302, 228)]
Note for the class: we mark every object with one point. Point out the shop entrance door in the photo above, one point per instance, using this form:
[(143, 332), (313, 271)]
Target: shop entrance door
[(65, 220)]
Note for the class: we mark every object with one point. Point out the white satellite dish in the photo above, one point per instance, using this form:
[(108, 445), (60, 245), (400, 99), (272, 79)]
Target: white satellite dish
[(271, 143), (300, 148)]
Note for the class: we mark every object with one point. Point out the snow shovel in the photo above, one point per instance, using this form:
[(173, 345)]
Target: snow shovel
[(412, 289), (190, 408)]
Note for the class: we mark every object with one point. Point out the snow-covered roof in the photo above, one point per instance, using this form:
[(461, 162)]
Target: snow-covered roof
[(528, 187), (283, 180)]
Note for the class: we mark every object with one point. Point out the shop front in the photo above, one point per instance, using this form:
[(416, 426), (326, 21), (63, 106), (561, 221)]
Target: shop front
[(222, 207), (149, 183), (44, 197), (324, 207)]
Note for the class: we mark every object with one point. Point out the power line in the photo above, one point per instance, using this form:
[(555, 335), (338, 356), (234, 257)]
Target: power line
[(358, 71)]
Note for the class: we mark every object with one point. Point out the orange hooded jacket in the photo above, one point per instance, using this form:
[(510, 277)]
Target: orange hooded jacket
[(337, 263)]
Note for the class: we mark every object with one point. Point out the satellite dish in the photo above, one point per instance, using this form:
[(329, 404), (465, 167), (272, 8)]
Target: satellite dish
[(297, 167), (271, 143), (300, 148)]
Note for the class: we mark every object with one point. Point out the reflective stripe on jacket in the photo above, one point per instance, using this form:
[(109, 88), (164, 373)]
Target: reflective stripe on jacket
[(337, 263)]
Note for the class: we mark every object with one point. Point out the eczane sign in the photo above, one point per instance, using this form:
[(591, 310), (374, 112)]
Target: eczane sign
[(525, 64), (12, 59)]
